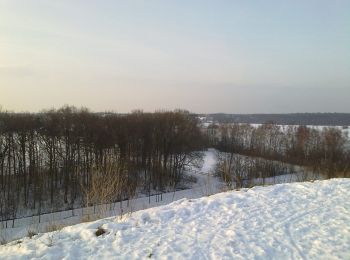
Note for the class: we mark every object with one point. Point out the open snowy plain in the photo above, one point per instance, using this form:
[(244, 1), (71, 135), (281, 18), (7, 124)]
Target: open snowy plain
[(308, 220)]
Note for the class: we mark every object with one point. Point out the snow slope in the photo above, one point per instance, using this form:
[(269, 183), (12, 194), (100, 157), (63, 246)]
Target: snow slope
[(206, 184), (285, 221)]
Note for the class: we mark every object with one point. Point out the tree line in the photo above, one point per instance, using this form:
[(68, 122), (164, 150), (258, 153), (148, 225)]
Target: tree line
[(322, 119), (57, 159), (318, 150)]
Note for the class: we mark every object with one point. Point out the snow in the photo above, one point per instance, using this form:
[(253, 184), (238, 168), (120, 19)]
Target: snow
[(285, 221), (209, 161), (206, 184)]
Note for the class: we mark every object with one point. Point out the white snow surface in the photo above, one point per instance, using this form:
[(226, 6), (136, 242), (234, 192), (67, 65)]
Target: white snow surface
[(206, 184), (285, 221)]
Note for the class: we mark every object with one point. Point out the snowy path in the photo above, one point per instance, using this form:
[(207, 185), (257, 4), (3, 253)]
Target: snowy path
[(285, 221)]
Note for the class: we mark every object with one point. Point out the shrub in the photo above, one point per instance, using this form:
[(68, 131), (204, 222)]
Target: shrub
[(100, 231), (53, 227), (31, 233)]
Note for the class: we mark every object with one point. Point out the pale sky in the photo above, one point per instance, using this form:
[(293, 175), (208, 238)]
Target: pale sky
[(204, 56)]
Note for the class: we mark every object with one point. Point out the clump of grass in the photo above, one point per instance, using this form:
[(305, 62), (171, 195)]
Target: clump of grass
[(31, 233), (89, 218), (50, 240), (100, 231), (3, 237), (53, 227)]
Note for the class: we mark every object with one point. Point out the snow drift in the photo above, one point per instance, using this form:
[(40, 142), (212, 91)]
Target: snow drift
[(285, 221)]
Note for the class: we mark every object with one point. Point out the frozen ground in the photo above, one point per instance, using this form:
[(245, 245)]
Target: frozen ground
[(284, 221), (206, 184)]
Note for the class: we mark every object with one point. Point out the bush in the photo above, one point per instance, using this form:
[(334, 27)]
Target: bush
[(31, 233), (53, 227), (100, 231)]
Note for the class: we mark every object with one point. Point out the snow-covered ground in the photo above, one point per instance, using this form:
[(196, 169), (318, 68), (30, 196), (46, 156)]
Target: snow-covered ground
[(206, 184), (284, 221)]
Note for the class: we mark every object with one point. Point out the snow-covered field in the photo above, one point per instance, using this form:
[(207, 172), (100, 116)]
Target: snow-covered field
[(284, 221), (206, 184)]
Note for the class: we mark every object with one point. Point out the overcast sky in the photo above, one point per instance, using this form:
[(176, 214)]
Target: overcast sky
[(204, 56)]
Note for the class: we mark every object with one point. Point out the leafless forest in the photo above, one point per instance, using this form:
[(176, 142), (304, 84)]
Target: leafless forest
[(57, 159), (271, 149), (66, 158)]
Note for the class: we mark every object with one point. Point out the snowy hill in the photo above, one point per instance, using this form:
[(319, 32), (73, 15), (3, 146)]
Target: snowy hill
[(285, 221)]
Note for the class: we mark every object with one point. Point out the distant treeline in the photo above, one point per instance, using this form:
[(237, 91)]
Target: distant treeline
[(58, 159), (320, 151), (324, 119)]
